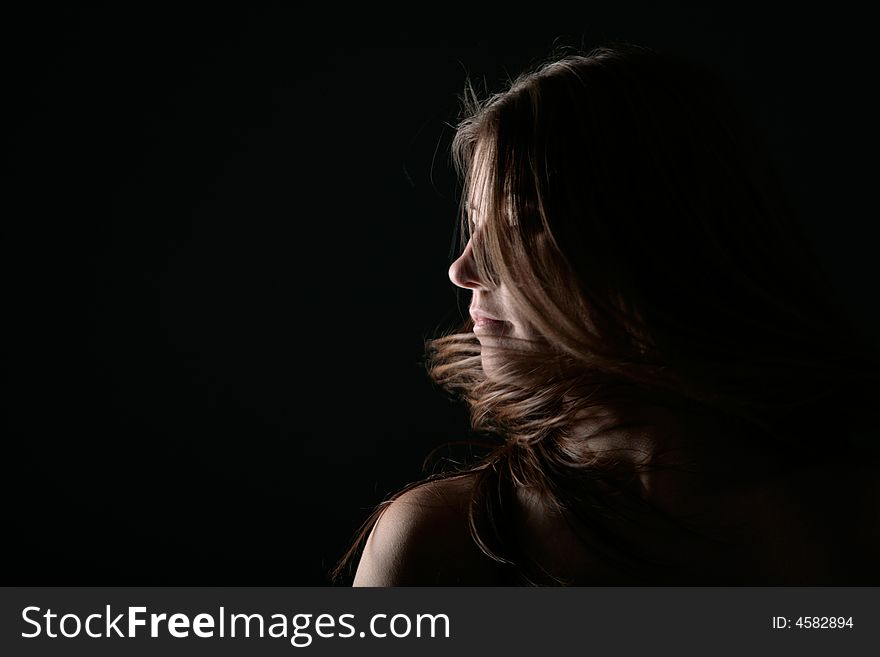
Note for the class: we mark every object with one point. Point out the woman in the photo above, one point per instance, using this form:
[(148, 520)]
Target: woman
[(678, 398)]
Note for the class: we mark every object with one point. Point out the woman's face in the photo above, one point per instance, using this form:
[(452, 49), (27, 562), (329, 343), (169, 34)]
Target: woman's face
[(496, 320)]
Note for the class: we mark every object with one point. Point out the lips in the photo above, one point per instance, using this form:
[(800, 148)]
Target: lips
[(480, 316), (484, 323)]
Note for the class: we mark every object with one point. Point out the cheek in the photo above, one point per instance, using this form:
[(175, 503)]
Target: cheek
[(511, 314), (524, 329), (528, 333)]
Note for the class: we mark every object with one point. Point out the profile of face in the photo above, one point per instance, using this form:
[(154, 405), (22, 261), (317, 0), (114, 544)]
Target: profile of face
[(497, 323)]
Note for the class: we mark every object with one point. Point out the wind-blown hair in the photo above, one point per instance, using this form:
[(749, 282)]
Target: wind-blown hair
[(638, 225)]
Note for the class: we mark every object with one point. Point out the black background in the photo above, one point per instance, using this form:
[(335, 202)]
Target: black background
[(226, 237)]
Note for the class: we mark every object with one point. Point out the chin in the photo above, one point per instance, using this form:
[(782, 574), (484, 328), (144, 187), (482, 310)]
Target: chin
[(492, 362)]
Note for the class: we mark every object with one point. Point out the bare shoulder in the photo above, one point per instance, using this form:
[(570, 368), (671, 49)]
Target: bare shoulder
[(423, 539)]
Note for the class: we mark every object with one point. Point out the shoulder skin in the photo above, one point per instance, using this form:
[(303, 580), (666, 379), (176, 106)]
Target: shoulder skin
[(423, 539)]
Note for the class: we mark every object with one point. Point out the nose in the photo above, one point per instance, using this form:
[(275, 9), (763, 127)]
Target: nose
[(462, 272)]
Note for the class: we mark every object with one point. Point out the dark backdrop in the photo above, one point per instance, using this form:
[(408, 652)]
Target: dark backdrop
[(226, 237)]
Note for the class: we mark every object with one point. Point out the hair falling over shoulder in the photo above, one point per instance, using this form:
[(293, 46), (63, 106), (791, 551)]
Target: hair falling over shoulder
[(634, 216)]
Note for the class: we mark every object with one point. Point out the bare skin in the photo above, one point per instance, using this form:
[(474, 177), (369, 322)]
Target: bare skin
[(422, 539), (817, 526), (768, 525)]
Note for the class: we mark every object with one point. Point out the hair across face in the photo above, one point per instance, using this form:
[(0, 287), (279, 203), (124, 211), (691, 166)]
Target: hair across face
[(624, 229), (503, 323), (621, 222)]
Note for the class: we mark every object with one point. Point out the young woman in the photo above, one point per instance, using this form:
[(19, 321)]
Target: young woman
[(677, 396)]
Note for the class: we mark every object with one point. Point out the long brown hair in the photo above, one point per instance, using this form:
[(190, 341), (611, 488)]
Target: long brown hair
[(639, 227)]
